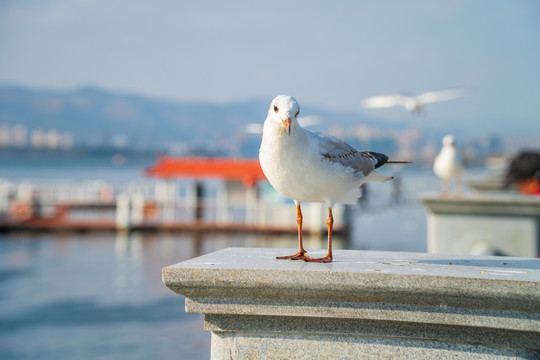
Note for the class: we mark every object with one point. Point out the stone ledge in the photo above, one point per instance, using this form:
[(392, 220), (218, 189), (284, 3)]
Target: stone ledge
[(228, 345), (496, 292), (365, 276), (444, 315), (425, 303), (512, 204), (362, 327), (488, 224)]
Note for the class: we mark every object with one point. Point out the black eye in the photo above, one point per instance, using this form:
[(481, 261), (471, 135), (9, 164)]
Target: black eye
[(298, 112), (275, 108)]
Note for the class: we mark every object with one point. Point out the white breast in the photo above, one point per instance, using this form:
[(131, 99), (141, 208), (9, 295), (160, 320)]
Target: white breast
[(447, 164), (295, 168)]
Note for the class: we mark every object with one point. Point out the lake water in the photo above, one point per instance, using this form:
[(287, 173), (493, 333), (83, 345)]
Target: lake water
[(100, 296)]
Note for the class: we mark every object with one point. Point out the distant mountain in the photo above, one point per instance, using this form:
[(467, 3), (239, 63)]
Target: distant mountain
[(96, 117)]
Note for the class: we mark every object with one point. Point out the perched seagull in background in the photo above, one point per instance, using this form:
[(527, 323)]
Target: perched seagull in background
[(447, 165), (307, 166), (413, 104)]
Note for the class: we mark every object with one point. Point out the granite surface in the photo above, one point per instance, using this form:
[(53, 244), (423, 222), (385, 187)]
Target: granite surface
[(489, 224), (284, 347), (367, 262), (484, 291), (418, 278), (371, 328), (364, 304), (504, 204)]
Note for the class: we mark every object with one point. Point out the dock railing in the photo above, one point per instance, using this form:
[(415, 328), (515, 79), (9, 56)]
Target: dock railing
[(155, 205)]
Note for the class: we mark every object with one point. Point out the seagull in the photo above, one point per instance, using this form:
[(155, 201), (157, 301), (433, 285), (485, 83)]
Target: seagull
[(447, 165), (311, 167), (413, 104)]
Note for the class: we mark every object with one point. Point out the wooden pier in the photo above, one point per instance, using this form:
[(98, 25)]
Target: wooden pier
[(46, 225), (238, 203), (129, 215)]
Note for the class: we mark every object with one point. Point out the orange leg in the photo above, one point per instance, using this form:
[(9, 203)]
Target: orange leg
[(328, 257), (445, 185), (301, 254)]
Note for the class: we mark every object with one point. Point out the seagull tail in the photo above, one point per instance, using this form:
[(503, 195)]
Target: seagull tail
[(381, 158)]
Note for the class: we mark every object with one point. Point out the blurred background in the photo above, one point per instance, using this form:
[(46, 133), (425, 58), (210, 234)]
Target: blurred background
[(107, 110)]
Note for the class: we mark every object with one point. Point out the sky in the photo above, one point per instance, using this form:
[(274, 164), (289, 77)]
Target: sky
[(328, 54)]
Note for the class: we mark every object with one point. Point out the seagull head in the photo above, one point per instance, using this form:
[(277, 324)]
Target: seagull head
[(284, 111), (449, 140)]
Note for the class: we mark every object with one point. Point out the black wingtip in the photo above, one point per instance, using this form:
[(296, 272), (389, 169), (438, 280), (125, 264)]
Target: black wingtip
[(381, 158)]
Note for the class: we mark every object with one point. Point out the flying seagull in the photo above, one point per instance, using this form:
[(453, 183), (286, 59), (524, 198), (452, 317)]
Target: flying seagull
[(447, 165), (414, 104), (312, 167)]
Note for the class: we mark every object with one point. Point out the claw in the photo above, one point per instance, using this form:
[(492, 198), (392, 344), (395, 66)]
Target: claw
[(298, 256), (325, 259)]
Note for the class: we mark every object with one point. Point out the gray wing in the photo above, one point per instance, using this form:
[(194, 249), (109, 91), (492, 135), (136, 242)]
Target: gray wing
[(434, 96), (338, 151), (385, 101)]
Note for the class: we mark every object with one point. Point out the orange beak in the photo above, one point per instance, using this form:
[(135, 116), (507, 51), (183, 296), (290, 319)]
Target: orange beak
[(287, 124)]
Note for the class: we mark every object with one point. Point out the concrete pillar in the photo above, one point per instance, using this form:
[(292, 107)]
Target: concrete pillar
[(166, 196), (222, 213), (6, 189), (364, 305), (123, 212), (191, 200), (251, 204), (499, 224), (137, 209)]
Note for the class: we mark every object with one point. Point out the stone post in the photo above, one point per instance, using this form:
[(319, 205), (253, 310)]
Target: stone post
[(364, 305), (137, 209), (494, 224), (123, 212), (166, 196), (251, 205)]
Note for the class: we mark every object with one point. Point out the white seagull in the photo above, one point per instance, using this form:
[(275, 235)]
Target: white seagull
[(307, 166), (414, 104), (447, 165)]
